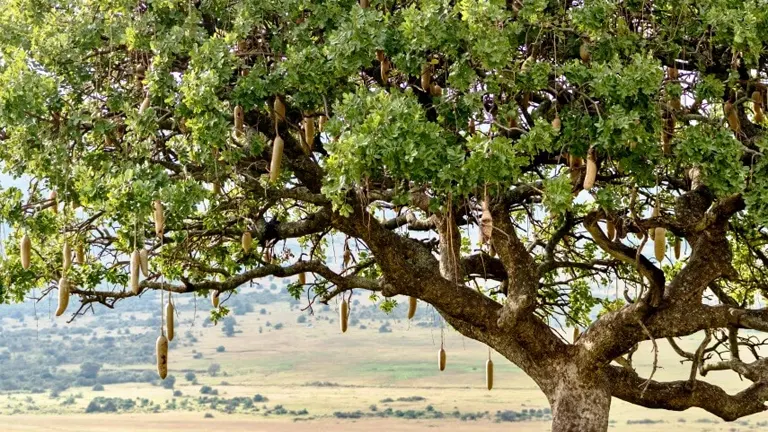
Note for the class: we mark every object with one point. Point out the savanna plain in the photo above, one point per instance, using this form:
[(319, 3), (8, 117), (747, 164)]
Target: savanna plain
[(271, 366)]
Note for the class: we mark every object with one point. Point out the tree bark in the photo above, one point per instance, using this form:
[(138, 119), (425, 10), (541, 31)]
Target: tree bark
[(581, 401)]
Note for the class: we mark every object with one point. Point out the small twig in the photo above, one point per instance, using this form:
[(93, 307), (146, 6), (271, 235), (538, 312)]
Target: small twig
[(655, 357)]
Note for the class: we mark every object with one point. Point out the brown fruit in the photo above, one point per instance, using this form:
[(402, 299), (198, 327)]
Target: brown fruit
[(489, 374), (732, 117), (277, 158), (426, 77), (279, 108), (757, 106), (302, 278), (309, 132), (610, 229), (344, 315), (436, 90), (471, 126), (215, 299), (380, 55), (667, 134), (584, 52), (364, 4), (162, 356), (247, 241), (486, 223), (66, 256), (384, 68), (576, 333), (144, 105), (441, 359), (135, 266), (80, 254), (216, 188), (412, 302), (239, 116), (63, 296), (169, 310), (321, 123), (26, 251), (556, 123), (660, 243), (159, 217), (589, 178), (677, 248), (144, 262)]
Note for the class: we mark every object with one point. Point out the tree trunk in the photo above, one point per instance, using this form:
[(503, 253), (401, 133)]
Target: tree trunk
[(581, 402)]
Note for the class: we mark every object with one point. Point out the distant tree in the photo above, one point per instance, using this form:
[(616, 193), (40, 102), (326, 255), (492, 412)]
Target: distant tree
[(214, 369), (89, 369), (301, 319), (220, 348), (190, 376), (168, 382)]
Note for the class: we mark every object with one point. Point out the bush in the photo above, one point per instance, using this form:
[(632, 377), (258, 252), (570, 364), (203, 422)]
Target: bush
[(301, 319), (220, 348), (98, 387), (206, 389), (168, 382), (177, 393), (190, 376), (214, 369), (208, 415), (278, 326)]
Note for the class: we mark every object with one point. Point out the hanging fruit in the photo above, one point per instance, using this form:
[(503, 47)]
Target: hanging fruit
[(239, 116), (135, 266), (584, 52), (277, 158), (169, 311), (309, 132), (247, 241), (80, 253), (144, 105), (63, 296), (441, 359), (162, 356), (144, 262), (677, 248), (486, 223), (26, 251), (66, 256), (279, 109), (589, 178), (489, 374), (384, 69), (215, 299), (159, 216), (344, 315), (426, 77)]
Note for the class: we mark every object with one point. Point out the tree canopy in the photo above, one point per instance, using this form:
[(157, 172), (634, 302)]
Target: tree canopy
[(507, 162)]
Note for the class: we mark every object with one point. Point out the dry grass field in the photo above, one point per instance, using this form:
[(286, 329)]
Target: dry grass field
[(360, 369)]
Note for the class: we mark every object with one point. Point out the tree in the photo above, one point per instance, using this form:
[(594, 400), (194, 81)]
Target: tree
[(214, 369), (89, 369), (572, 136)]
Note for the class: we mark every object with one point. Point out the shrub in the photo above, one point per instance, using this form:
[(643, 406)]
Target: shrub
[(98, 387)]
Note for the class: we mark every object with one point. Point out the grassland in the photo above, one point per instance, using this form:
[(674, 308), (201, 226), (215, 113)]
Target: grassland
[(312, 366)]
